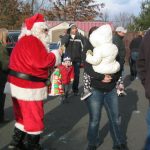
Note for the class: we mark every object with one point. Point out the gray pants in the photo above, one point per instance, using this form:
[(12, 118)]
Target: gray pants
[(66, 88)]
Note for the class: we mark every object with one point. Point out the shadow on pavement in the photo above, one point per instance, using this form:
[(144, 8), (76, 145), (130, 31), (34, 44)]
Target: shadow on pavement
[(62, 119), (127, 105), (127, 80), (8, 115)]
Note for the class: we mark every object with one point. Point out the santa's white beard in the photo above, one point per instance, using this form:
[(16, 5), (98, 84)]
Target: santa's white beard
[(37, 31), (44, 38)]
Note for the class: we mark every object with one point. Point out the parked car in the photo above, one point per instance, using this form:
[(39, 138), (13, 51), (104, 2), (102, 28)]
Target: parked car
[(11, 40), (54, 46)]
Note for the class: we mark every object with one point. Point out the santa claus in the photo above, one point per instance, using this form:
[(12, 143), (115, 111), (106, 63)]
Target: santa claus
[(29, 64)]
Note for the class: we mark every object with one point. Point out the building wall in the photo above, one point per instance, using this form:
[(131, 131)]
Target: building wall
[(58, 30)]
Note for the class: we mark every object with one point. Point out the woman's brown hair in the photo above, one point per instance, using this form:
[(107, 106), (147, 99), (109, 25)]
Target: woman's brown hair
[(3, 35)]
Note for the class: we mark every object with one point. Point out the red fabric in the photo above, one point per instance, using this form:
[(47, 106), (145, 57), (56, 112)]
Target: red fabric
[(29, 22), (29, 114), (67, 73), (31, 57)]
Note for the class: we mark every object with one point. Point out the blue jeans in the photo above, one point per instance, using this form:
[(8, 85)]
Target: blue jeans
[(133, 65), (147, 143), (76, 76), (134, 55), (95, 103)]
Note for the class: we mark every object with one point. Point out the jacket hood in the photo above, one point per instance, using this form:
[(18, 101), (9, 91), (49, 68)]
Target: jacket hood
[(101, 35)]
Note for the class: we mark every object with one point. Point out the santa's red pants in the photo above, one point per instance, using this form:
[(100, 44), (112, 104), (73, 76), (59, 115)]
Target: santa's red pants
[(29, 115)]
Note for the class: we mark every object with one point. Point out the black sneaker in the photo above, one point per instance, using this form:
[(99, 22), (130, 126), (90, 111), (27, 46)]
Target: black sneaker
[(85, 95)]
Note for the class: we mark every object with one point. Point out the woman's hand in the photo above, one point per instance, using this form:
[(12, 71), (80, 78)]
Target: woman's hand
[(60, 51), (89, 52), (107, 78)]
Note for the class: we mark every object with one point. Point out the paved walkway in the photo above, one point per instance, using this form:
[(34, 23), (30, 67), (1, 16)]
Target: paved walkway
[(66, 125)]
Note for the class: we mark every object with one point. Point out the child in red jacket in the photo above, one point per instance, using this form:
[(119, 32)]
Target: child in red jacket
[(67, 77)]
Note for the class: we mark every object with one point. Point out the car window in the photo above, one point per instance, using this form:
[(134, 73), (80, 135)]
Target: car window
[(54, 46), (15, 37), (11, 40)]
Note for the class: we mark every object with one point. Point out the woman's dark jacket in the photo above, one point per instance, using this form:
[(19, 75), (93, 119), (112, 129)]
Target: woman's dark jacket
[(135, 44), (96, 78)]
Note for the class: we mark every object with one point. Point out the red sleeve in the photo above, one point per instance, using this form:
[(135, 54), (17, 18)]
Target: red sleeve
[(72, 73), (31, 57)]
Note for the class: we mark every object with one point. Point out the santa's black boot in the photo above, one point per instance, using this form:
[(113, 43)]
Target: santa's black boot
[(17, 140), (33, 142)]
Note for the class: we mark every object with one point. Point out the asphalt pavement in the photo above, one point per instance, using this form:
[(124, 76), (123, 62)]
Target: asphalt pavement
[(66, 125)]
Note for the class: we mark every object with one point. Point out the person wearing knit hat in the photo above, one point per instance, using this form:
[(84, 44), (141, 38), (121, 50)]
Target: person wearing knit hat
[(67, 77), (74, 43), (118, 41), (29, 64)]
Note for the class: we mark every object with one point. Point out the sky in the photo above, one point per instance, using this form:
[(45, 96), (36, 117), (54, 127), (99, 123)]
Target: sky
[(114, 7)]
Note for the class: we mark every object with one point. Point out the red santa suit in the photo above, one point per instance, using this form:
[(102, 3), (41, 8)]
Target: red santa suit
[(30, 56)]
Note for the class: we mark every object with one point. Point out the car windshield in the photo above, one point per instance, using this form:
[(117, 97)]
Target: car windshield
[(15, 36), (54, 46)]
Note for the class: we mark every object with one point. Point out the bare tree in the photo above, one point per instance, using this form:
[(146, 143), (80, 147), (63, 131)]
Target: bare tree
[(123, 19), (74, 10), (35, 5), (105, 16)]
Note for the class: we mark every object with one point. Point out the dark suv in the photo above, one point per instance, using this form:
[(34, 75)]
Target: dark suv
[(11, 40)]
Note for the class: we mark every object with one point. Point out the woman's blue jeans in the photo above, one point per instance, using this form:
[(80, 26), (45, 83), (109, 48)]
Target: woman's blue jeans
[(95, 103)]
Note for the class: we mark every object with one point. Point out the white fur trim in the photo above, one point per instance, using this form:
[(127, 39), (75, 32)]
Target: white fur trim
[(35, 133), (58, 57), (19, 126), (24, 32), (28, 32), (26, 94), (39, 26)]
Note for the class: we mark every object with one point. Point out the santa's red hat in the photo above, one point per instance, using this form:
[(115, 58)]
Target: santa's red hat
[(29, 22)]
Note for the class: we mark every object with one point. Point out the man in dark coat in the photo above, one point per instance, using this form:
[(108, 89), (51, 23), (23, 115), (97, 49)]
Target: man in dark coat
[(74, 42), (118, 41), (134, 53), (143, 64)]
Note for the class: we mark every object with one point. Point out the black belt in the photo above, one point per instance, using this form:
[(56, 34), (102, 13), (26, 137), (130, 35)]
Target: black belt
[(26, 76)]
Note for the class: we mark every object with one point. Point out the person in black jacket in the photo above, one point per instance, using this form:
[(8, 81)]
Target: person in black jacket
[(134, 53), (118, 41), (143, 65), (74, 42), (104, 93)]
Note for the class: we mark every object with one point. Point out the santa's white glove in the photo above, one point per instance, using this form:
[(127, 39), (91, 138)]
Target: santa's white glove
[(89, 52)]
